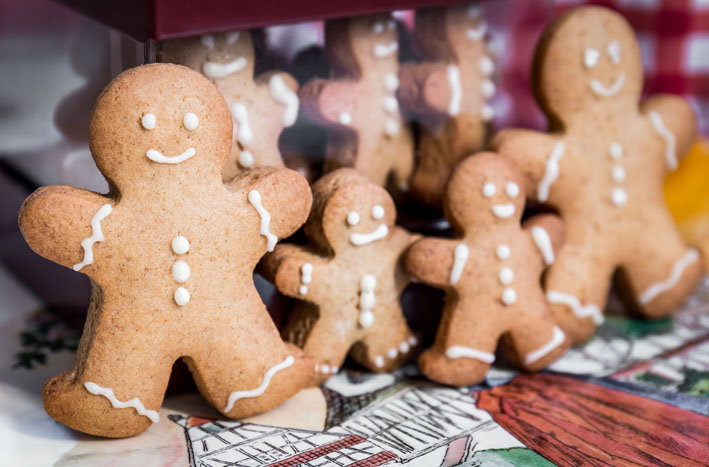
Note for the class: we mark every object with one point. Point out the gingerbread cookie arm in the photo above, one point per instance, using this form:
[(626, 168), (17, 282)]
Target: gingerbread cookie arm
[(548, 233), (674, 122), (536, 154), (63, 224), (425, 91), (331, 103), (294, 271), (432, 261), (284, 91)]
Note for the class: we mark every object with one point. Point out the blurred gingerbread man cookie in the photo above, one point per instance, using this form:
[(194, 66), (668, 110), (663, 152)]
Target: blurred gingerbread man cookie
[(170, 252), (261, 107), (602, 166), (348, 280), (448, 92), (491, 274), (359, 103)]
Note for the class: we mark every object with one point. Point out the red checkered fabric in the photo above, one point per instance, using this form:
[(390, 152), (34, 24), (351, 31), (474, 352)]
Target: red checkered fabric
[(673, 37)]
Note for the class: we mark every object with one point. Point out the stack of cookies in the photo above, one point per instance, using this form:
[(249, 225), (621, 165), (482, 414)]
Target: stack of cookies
[(200, 198)]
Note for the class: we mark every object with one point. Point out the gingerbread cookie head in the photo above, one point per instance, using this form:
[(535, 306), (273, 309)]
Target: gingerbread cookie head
[(139, 133), (351, 212), (451, 33), (219, 57), (588, 56), (484, 189)]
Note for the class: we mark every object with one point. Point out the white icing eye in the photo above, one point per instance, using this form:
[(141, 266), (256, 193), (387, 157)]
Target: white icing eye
[(474, 11), (190, 121), (391, 24), (590, 57), (378, 27), (207, 41), (353, 218), (148, 121), (377, 212), (512, 189), (488, 190), (614, 51), (232, 37)]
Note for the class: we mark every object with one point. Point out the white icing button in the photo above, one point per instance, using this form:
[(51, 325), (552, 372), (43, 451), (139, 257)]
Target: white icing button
[(391, 104), (181, 271), (182, 296), (488, 190), (345, 118), (509, 296), (619, 196), (404, 347), (377, 212), (618, 173), (488, 88), (190, 121), (246, 159), (379, 361), (487, 66), (413, 341), (503, 252), (353, 218), (366, 318), (487, 113), (616, 150), (148, 121), (506, 275), (391, 128), (512, 189), (180, 245), (391, 82), (303, 289), (392, 353)]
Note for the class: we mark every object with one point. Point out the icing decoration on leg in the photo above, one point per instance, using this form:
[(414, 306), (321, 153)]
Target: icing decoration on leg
[(460, 257), (255, 200), (459, 351), (96, 236), (556, 340), (670, 144), (543, 242), (582, 311), (677, 269), (236, 395), (135, 403), (551, 173), (284, 95)]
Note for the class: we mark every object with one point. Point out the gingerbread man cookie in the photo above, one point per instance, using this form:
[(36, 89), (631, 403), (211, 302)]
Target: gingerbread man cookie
[(448, 92), (491, 273), (348, 280), (359, 103), (170, 252), (602, 167), (261, 107)]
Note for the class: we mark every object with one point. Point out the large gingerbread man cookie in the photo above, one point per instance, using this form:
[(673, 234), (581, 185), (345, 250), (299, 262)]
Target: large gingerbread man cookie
[(170, 252), (491, 273), (349, 279), (359, 104), (602, 167), (448, 92), (260, 106)]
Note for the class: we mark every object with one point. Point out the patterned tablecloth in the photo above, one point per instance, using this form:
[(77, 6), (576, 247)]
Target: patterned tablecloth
[(638, 392)]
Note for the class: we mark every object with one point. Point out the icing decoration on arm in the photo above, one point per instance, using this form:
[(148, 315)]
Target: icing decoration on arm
[(582, 311), (456, 90), (241, 115), (384, 50), (284, 95), (551, 173), (157, 156), (96, 236), (236, 395), (255, 200), (590, 57), (543, 242), (190, 121), (359, 239), (556, 340), (458, 351), (601, 90), (475, 34), (690, 257), (220, 70), (503, 211), (614, 51), (345, 118), (135, 403), (377, 212), (306, 276), (148, 121), (670, 148), (460, 257), (367, 299)]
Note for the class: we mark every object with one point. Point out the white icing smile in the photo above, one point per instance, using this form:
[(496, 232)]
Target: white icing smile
[(220, 70), (383, 50), (359, 239), (478, 33), (601, 90), (157, 156), (503, 211)]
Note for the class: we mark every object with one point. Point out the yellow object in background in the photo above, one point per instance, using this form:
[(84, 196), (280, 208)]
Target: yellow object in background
[(687, 195)]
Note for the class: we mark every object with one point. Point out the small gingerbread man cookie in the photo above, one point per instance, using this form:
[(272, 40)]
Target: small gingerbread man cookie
[(491, 274), (261, 107), (170, 252), (448, 92), (348, 280), (359, 104), (602, 167)]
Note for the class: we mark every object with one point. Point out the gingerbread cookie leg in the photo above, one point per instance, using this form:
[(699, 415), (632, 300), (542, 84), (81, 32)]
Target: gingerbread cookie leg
[(387, 346), (536, 342), (661, 276), (330, 340)]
